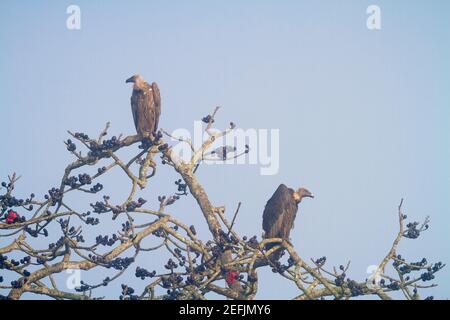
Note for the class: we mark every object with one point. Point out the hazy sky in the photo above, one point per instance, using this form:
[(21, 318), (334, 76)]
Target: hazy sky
[(363, 115)]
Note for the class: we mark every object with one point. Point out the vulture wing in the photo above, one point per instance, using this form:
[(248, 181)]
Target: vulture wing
[(142, 105), (157, 101), (134, 110)]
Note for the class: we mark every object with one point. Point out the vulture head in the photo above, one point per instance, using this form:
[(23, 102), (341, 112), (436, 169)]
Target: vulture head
[(136, 79), (302, 193)]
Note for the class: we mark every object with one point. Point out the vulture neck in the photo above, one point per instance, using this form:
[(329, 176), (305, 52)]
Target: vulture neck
[(139, 84), (297, 197)]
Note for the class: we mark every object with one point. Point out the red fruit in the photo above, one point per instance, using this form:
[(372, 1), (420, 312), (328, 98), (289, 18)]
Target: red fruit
[(11, 217), (231, 277)]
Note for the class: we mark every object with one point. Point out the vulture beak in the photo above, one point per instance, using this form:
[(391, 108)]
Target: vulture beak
[(130, 79), (308, 194)]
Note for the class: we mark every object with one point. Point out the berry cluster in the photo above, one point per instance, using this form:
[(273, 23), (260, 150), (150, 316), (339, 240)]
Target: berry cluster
[(171, 281), (106, 281), (429, 274), (92, 221), (4, 264), (405, 268), (182, 187), (35, 232), (208, 119), (227, 238), (148, 142), (144, 273), (393, 285), (121, 263), (408, 267), (71, 146), (251, 278), (97, 188), (216, 251), (190, 280), (55, 195), (25, 260), (131, 206), (163, 147), (339, 281), (101, 150), (81, 136), (170, 200), (355, 288), (199, 268), (291, 261), (278, 267), (17, 284), (173, 294), (178, 254), (170, 265), (15, 263), (71, 232), (83, 287), (101, 170), (71, 182), (127, 293), (126, 227), (106, 240), (99, 260), (321, 261), (99, 207), (253, 242), (41, 260), (84, 178), (412, 232), (9, 201)]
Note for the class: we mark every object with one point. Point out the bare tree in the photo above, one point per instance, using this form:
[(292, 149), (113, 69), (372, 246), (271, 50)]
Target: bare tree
[(226, 264)]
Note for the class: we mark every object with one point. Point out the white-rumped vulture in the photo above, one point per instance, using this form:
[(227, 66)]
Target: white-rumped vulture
[(280, 211), (145, 105)]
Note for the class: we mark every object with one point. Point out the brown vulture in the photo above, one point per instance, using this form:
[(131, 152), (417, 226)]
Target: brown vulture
[(280, 211), (145, 105)]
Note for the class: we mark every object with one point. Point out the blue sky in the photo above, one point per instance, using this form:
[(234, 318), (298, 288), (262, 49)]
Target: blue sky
[(363, 115)]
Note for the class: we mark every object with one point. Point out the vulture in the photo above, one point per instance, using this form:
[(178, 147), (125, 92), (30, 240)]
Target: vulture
[(145, 105), (280, 211)]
